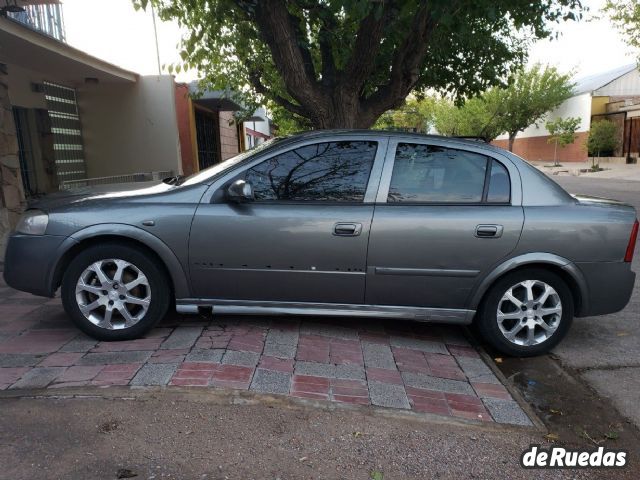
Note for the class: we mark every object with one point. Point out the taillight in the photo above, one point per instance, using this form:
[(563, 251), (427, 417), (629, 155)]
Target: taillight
[(632, 243)]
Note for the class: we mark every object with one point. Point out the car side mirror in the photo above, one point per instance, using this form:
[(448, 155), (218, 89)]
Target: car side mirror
[(240, 191)]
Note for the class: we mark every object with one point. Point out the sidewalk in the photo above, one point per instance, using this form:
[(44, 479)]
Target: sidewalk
[(611, 170), (400, 365)]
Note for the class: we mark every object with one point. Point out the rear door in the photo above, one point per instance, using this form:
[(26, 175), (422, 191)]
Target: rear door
[(444, 217), (304, 238)]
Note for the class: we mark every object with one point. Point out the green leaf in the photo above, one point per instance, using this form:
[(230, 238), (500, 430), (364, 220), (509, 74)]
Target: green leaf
[(471, 46), (376, 475)]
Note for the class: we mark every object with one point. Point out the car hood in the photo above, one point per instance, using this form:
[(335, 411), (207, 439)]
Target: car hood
[(98, 193)]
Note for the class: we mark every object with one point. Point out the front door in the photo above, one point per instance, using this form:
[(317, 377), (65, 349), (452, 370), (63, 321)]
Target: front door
[(303, 239), (444, 218)]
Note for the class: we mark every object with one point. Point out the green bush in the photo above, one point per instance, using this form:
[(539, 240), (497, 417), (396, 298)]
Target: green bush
[(603, 138)]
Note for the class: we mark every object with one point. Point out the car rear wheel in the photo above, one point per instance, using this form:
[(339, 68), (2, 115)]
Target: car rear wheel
[(115, 292), (526, 313)]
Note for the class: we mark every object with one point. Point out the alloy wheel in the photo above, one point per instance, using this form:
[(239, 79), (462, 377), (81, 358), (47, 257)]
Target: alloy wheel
[(529, 313), (113, 294)]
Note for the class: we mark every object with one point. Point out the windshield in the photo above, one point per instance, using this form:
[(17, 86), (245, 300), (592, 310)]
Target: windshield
[(208, 173)]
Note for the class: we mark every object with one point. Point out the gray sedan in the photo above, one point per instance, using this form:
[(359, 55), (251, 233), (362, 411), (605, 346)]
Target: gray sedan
[(342, 223)]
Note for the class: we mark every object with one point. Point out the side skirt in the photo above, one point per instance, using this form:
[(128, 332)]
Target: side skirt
[(247, 307)]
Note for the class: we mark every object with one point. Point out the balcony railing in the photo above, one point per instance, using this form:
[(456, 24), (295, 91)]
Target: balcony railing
[(46, 19)]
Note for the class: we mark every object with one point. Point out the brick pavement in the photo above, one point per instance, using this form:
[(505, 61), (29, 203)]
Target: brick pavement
[(401, 365)]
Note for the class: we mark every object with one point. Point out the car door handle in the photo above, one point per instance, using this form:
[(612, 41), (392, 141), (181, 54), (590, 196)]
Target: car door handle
[(489, 231), (347, 229)]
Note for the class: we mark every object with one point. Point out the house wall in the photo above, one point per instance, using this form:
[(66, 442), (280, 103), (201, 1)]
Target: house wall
[(20, 82), (538, 148), (186, 130), (533, 143), (262, 127), (577, 106), (623, 86), (130, 128), (11, 194), (599, 105), (228, 136)]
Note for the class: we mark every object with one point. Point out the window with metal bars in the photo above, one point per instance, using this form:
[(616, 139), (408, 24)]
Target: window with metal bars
[(207, 136), (67, 132)]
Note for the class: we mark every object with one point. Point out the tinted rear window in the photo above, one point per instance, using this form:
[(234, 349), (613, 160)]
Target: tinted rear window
[(433, 174)]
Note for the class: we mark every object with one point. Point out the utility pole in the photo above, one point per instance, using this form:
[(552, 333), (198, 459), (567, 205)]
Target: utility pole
[(155, 33)]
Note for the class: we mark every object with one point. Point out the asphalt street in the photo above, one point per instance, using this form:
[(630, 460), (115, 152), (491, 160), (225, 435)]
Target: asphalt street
[(605, 351)]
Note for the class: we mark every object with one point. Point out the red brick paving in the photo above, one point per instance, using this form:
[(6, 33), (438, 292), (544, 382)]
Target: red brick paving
[(384, 375), (22, 336), (276, 364), (37, 341), (120, 374), (61, 359), (11, 375), (491, 390)]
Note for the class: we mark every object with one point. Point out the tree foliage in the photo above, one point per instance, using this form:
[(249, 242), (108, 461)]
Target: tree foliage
[(603, 138), (625, 15), (477, 117), (286, 123), (562, 132), (416, 115), (531, 94), (527, 98), (343, 63)]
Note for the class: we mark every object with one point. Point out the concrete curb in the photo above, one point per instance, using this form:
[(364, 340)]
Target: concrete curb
[(241, 397), (538, 424)]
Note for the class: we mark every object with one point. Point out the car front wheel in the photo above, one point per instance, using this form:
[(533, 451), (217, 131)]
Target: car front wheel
[(526, 313), (115, 292)]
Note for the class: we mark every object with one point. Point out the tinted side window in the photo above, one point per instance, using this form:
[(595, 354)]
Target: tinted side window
[(333, 171), (499, 184), (427, 173)]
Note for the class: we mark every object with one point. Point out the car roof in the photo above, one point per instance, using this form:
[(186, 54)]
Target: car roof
[(388, 133)]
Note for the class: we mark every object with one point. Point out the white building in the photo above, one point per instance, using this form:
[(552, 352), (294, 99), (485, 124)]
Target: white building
[(611, 95), (257, 128)]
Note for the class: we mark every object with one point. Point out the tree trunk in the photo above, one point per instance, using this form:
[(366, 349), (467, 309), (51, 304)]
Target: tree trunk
[(512, 138), (334, 97), (343, 110)]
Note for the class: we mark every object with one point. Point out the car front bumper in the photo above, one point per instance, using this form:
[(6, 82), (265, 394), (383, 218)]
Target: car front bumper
[(610, 286), (30, 261)]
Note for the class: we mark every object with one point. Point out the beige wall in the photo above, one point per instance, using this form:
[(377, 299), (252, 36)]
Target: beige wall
[(228, 136), (130, 128), (20, 92)]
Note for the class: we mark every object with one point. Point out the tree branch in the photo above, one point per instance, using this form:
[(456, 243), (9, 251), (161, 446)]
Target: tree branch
[(281, 32), (254, 79), (366, 46), (405, 66), (326, 50)]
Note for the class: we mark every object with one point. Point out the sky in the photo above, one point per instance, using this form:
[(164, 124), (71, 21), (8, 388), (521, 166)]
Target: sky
[(114, 31)]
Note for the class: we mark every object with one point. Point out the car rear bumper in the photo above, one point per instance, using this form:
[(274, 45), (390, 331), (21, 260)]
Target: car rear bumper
[(29, 262), (610, 285)]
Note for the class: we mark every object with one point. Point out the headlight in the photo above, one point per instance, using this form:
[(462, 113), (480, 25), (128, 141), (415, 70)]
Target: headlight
[(33, 222)]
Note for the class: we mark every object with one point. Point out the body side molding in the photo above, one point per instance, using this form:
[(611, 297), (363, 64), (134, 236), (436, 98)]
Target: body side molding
[(440, 315), (427, 272)]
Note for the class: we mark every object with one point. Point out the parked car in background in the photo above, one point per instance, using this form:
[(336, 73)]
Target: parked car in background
[(342, 223)]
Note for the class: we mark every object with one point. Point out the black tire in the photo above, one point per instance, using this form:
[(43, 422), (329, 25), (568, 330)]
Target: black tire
[(147, 264), (487, 322)]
